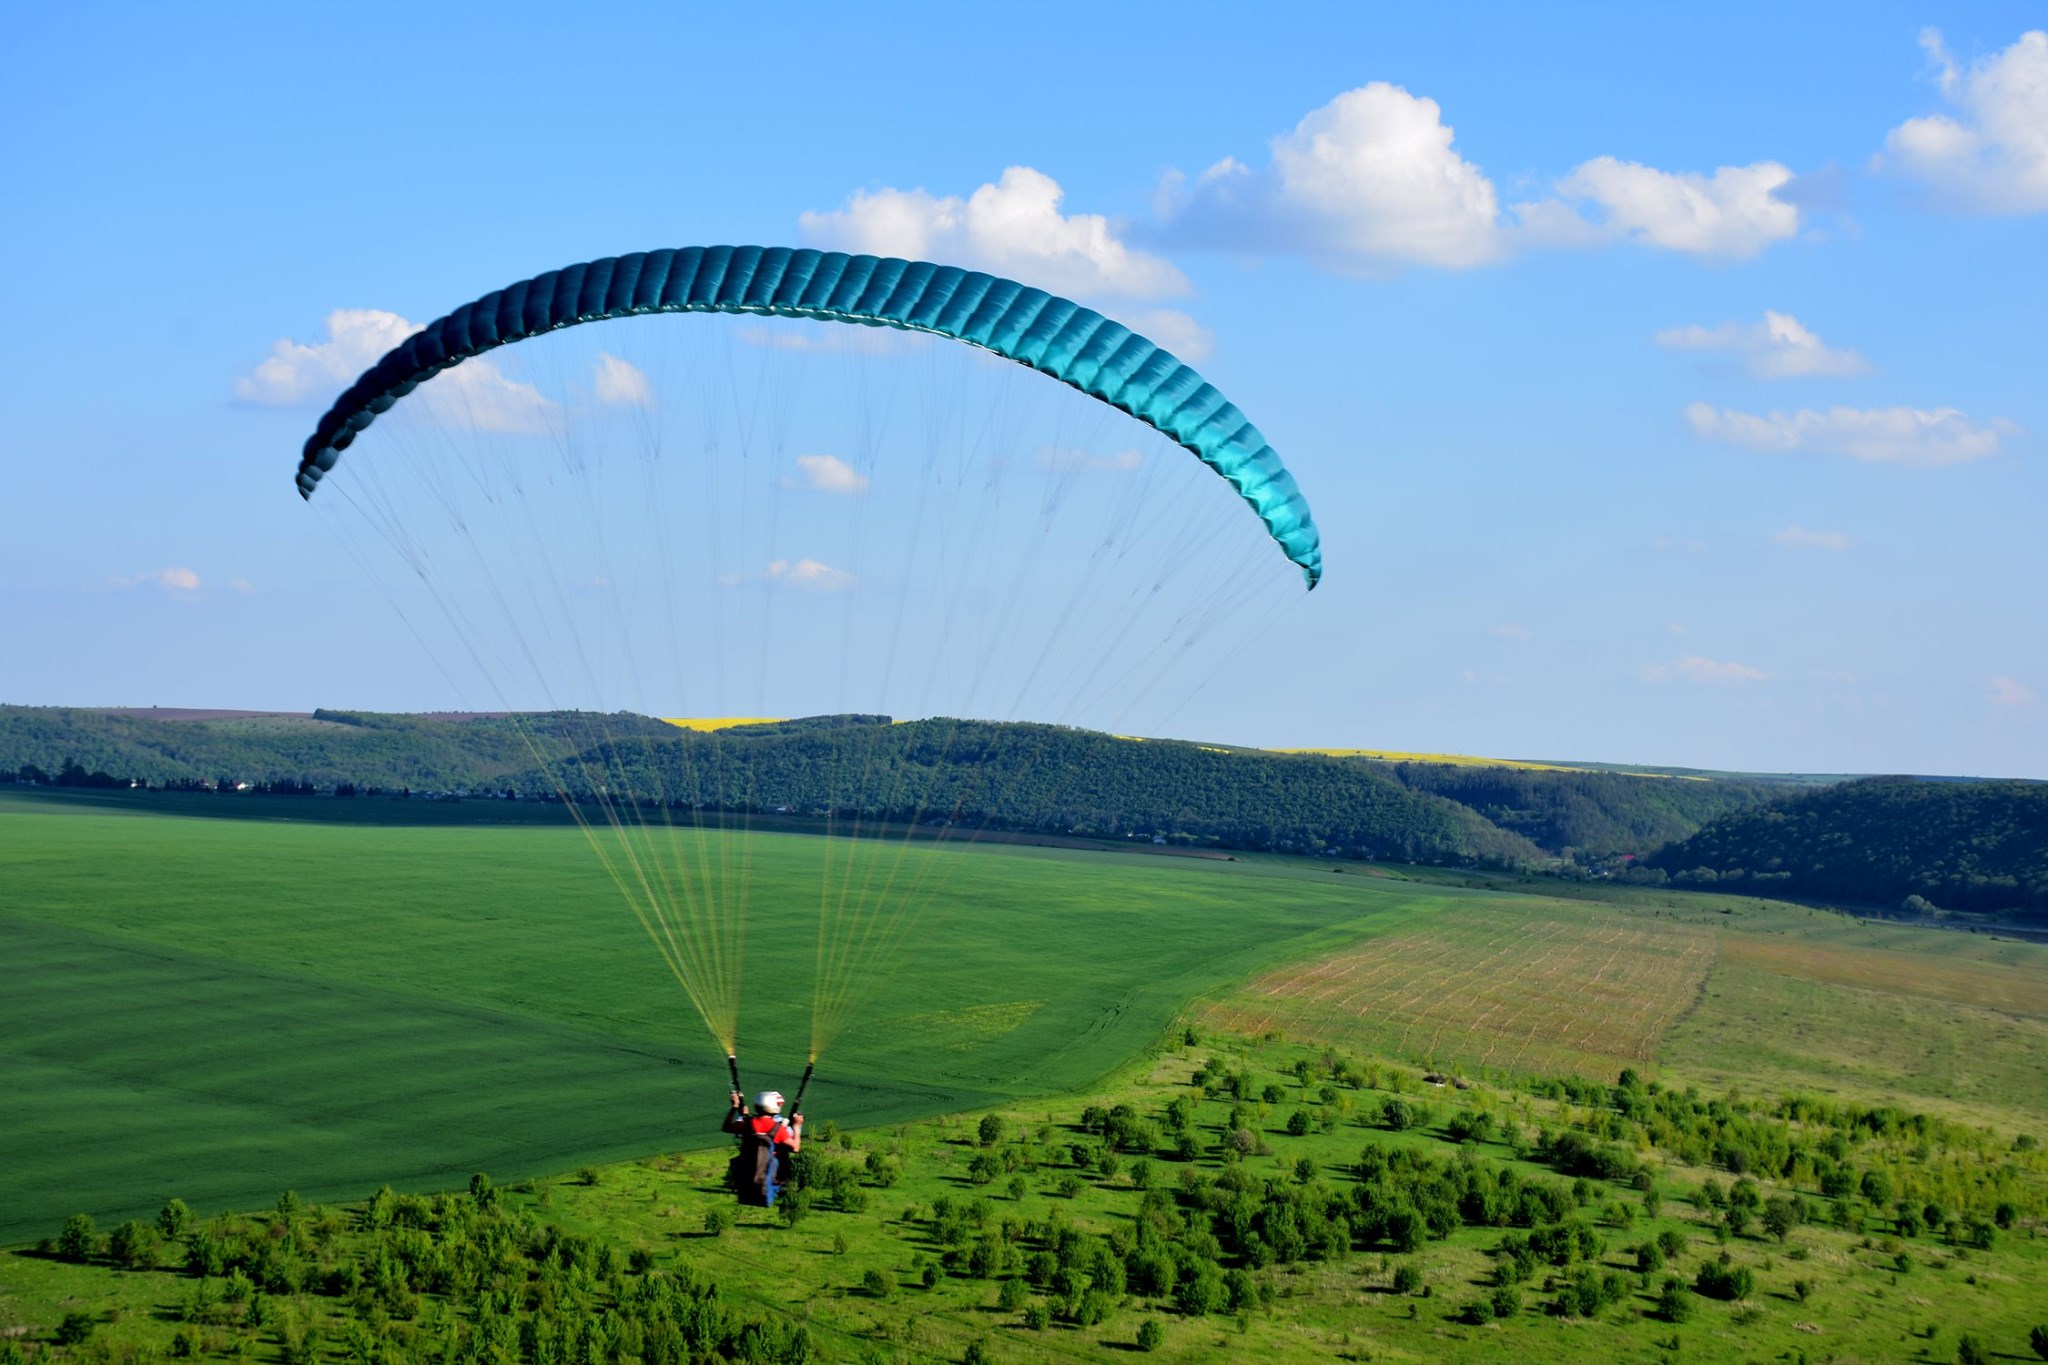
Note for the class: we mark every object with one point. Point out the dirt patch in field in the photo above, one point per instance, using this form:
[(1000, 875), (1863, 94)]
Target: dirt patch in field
[(1491, 987), (1983, 984)]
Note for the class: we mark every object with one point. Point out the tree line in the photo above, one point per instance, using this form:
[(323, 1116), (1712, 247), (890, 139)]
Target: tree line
[(1888, 841)]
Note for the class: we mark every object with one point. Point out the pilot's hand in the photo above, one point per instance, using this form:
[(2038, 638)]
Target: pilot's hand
[(736, 1100)]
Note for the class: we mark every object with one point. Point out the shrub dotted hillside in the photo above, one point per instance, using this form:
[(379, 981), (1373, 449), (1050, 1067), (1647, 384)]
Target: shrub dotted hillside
[(1954, 845), (1267, 1200)]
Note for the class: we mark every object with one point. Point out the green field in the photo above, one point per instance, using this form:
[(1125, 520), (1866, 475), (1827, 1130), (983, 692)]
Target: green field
[(218, 1008), (218, 1002)]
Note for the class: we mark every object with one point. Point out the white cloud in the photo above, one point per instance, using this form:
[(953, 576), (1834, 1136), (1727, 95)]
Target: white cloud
[(620, 381), (1912, 436), (1013, 227), (2007, 691), (810, 574), (1508, 632), (1735, 212), (1993, 156), (1779, 347), (1818, 540), (241, 585), (1693, 668), (298, 372), (1366, 182), (1371, 181), (474, 394), (177, 579), (827, 474), (1064, 459)]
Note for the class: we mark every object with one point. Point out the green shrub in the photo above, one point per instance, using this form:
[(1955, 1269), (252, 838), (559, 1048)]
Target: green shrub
[(173, 1219), (134, 1245), (1037, 1316), (1151, 1336), (75, 1328), (1674, 1301), (1407, 1279), (874, 1283), (77, 1241)]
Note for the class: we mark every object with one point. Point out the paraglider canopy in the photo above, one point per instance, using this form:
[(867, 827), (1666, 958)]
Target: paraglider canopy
[(1055, 336)]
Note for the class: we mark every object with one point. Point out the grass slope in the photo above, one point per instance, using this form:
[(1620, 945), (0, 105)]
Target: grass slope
[(881, 1275)]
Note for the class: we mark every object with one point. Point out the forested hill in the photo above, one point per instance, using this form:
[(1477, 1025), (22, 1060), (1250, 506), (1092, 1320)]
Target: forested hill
[(1006, 775), (1050, 778), (1592, 812), (1955, 845)]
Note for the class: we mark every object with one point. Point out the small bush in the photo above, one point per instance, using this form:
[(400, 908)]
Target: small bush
[(874, 1284), (1151, 1336), (792, 1205), (1037, 1316), (1407, 1279), (173, 1219), (718, 1220), (77, 1241), (75, 1328)]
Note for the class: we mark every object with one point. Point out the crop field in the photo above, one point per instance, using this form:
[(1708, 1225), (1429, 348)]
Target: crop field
[(1501, 985), (223, 1007)]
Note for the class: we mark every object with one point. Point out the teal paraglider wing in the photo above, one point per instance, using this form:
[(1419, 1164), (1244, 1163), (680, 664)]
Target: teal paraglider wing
[(1055, 336)]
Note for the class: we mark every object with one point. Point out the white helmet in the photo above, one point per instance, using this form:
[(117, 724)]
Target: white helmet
[(769, 1101)]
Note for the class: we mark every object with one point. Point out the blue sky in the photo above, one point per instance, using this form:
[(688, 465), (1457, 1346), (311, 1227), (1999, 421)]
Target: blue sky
[(1667, 386)]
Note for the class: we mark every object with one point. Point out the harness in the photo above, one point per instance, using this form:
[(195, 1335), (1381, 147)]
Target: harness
[(748, 1172)]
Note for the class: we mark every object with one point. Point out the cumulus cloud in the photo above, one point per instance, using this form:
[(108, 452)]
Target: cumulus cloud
[(1816, 540), (1366, 182), (1912, 436), (2007, 691), (475, 394), (1991, 154), (1508, 632), (1735, 212), (809, 574), (176, 579), (1014, 228), (1779, 347), (1372, 181), (297, 372), (1693, 668), (621, 381), (827, 474)]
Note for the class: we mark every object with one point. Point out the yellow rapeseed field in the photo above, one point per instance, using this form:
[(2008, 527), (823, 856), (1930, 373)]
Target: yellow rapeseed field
[(709, 723)]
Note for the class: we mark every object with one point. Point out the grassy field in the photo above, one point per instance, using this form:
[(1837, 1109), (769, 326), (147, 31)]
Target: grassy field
[(1502, 985), (879, 1278), (1721, 990), (221, 1007)]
